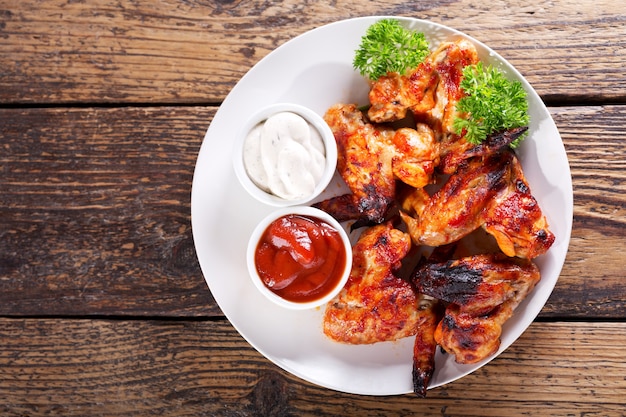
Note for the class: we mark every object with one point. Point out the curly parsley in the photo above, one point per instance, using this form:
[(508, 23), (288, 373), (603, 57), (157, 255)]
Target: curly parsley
[(389, 47), (493, 103)]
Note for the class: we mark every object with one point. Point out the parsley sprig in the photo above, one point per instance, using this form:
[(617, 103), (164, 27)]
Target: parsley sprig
[(492, 103), (387, 46)]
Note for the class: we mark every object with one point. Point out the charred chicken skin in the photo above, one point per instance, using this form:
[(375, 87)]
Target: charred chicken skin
[(431, 93), (490, 192), (430, 311), (370, 160), (482, 292), (375, 305)]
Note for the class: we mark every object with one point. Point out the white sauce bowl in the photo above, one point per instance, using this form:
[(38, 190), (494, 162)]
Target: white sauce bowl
[(316, 121)]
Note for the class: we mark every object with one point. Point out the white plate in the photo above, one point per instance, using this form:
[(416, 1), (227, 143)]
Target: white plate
[(315, 70)]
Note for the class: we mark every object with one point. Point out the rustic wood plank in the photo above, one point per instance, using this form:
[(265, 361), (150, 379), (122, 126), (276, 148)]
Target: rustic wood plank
[(90, 217), (595, 264), (96, 212), (111, 368), (108, 51)]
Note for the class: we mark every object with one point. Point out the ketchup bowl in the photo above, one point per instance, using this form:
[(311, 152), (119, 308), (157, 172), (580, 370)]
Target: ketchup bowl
[(299, 257), (285, 155)]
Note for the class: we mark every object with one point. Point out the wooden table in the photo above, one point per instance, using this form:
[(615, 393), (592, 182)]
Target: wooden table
[(103, 308)]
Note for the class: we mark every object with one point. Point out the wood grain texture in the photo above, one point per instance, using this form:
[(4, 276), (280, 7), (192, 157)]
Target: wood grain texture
[(115, 368), (103, 308), (595, 265), (171, 51), (95, 216), (96, 212)]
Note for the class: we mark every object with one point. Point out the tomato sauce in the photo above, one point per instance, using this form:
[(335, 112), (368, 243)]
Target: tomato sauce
[(300, 258)]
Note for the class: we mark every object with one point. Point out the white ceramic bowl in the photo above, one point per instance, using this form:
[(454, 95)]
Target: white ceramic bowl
[(314, 120), (254, 241)]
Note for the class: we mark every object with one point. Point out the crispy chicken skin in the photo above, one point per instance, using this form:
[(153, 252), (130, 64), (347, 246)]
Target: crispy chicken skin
[(490, 192), (482, 292), (371, 158), (375, 305)]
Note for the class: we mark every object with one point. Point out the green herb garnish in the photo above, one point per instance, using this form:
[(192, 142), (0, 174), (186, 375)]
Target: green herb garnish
[(493, 103), (389, 47)]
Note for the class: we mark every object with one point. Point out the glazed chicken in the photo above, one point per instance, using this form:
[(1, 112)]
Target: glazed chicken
[(482, 292), (375, 305), (425, 345), (431, 93), (387, 157), (371, 158), (490, 192)]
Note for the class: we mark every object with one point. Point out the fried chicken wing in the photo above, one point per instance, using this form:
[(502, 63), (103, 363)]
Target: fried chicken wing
[(489, 192), (375, 305), (482, 292), (371, 158)]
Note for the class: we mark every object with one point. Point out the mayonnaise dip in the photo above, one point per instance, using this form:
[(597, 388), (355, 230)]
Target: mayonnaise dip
[(285, 156)]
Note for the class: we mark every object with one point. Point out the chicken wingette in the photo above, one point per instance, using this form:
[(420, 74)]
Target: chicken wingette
[(482, 292)]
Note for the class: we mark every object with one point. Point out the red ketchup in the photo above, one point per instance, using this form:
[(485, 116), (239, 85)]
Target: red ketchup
[(300, 258)]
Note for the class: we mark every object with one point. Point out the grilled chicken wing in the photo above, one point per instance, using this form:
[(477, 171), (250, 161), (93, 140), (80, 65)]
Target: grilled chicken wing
[(431, 90), (515, 219), (364, 155), (375, 305), (456, 209), (425, 345), (371, 158), (490, 192), (482, 292)]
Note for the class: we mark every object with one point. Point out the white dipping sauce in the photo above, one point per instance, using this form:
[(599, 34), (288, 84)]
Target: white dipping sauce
[(285, 156)]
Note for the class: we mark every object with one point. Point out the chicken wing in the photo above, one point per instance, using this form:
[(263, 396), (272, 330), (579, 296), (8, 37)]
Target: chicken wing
[(515, 219), (364, 162), (482, 292), (455, 210), (431, 90), (490, 192), (371, 158), (425, 345), (375, 305)]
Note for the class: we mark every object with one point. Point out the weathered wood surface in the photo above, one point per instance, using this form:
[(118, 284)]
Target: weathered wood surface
[(172, 51), (113, 368), (103, 308), (96, 212)]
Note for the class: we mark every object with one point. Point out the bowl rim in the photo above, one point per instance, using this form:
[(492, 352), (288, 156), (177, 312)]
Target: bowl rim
[(260, 229), (315, 120)]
